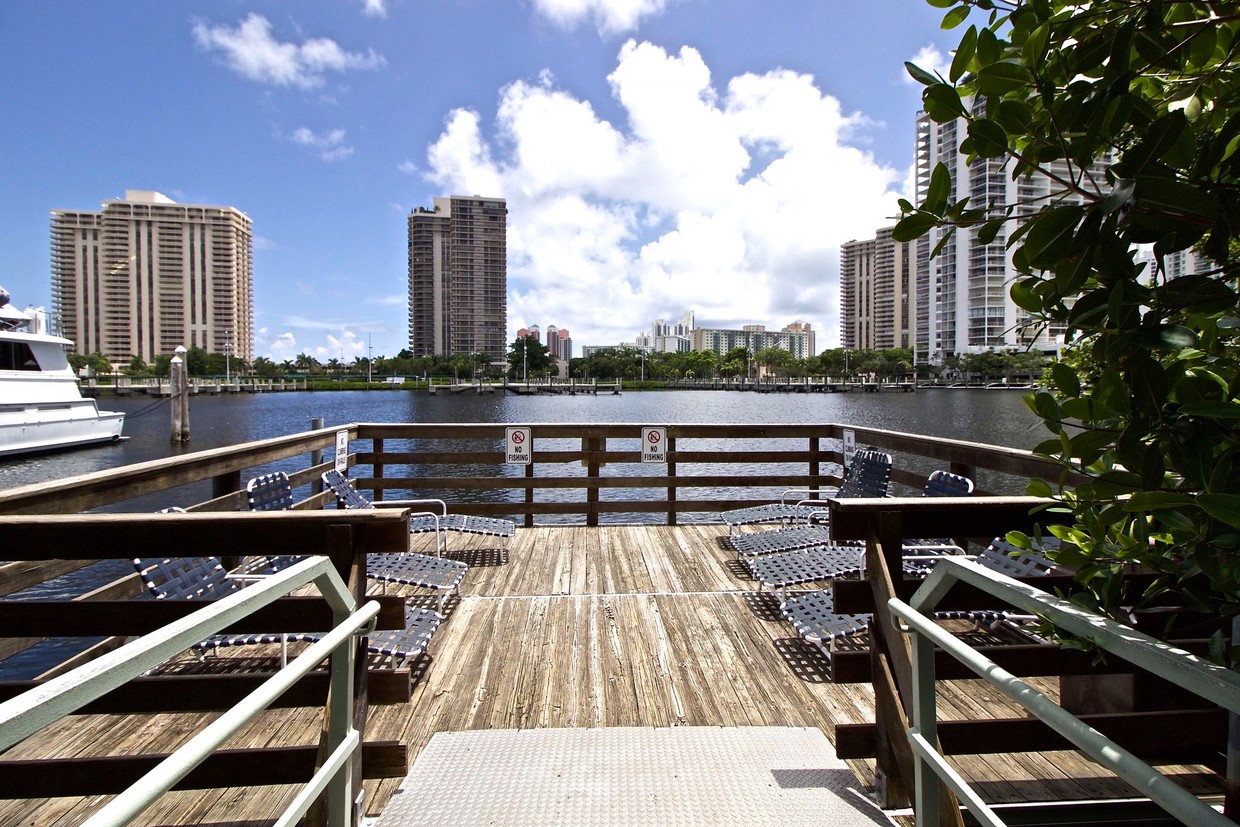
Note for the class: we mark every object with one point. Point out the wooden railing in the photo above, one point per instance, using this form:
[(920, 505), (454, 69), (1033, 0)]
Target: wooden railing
[(1159, 723), (343, 537), (579, 471)]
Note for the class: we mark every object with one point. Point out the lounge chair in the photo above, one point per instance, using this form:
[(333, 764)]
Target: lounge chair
[(938, 484), (814, 617), (423, 522), (204, 578), (777, 572), (868, 476), (275, 491)]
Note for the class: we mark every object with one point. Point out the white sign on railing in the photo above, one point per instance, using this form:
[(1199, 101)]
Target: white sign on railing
[(342, 451), (518, 451), (850, 447), (654, 444)]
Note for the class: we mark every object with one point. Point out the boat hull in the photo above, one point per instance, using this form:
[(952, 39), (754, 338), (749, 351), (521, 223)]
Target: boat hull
[(35, 428)]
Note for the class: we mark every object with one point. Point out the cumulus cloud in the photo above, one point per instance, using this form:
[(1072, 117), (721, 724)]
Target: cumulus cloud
[(728, 200), (280, 347), (374, 8), (329, 145), (930, 59), (252, 51), (608, 16)]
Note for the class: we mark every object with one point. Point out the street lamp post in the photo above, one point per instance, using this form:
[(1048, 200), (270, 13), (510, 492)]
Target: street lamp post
[(228, 357), (643, 355)]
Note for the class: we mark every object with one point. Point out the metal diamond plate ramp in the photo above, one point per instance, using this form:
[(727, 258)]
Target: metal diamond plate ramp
[(637, 776)]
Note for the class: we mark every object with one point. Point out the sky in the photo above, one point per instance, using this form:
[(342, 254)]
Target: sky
[(657, 156)]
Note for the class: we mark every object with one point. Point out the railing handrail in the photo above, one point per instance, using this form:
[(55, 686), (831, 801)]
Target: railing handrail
[(718, 459), (1214, 683), (37, 708)]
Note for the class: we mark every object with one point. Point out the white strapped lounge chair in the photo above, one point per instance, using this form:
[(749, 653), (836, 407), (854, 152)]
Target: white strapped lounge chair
[(938, 484), (814, 617), (275, 492), (423, 522), (204, 578), (868, 476)]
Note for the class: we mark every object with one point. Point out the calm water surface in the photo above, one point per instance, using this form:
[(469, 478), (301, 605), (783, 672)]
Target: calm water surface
[(997, 417)]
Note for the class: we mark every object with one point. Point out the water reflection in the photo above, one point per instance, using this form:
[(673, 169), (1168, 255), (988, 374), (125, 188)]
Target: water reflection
[(997, 417)]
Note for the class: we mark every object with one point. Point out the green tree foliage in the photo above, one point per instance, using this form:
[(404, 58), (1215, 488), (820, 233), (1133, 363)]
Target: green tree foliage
[(529, 358), (1130, 108)]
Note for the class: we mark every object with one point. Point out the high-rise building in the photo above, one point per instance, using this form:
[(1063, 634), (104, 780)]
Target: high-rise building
[(553, 341), (458, 277), (566, 345), (796, 338), (146, 274), (962, 297), (876, 293)]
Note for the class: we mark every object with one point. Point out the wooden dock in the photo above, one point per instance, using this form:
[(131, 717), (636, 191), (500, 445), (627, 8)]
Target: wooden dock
[(635, 626)]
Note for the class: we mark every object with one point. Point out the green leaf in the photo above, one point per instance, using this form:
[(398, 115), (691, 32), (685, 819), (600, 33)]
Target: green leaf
[(1223, 507), (1156, 500), (921, 75), (1050, 235), (939, 190), (942, 103), (1038, 488), (1065, 379), (964, 54), (914, 226), (1158, 140), (1214, 410), (1167, 337), (1001, 78), (954, 17), (989, 139), (1024, 293), (987, 232)]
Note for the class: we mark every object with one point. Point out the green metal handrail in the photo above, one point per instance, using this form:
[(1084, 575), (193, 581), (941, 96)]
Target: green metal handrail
[(1214, 683), (31, 711)]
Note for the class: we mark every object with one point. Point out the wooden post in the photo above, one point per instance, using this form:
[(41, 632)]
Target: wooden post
[(179, 379), (376, 469), (671, 486), (316, 456), (592, 447)]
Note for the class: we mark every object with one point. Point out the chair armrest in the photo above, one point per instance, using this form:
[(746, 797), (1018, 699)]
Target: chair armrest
[(443, 506), (819, 493)]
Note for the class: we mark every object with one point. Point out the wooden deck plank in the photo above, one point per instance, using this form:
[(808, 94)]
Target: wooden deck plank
[(580, 627)]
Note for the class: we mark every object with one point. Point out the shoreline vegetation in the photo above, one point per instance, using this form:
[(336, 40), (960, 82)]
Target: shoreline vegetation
[(126, 386)]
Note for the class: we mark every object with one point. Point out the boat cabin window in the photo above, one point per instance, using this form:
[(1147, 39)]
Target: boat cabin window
[(17, 356)]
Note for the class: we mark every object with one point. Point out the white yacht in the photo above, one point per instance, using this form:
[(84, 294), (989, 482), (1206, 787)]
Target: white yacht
[(41, 408)]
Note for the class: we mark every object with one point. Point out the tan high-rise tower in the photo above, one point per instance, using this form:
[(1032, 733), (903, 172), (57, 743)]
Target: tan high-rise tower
[(147, 274), (458, 277)]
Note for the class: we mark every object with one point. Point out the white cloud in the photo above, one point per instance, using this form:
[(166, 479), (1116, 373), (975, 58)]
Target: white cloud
[(932, 60), (608, 16), (251, 51), (279, 348), (728, 201), (374, 8), (408, 167), (330, 145)]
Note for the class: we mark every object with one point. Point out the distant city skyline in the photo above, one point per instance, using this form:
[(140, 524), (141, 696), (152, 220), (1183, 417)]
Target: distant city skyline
[(671, 153)]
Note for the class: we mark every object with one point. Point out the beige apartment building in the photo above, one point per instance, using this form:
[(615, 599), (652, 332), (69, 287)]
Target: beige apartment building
[(146, 274), (458, 277), (877, 296)]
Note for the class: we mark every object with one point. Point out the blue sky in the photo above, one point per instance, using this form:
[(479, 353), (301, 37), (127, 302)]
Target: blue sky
[(657, 156)]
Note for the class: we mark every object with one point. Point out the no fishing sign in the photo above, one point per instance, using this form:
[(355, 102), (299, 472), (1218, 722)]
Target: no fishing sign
[(518, 450), (654, 444)]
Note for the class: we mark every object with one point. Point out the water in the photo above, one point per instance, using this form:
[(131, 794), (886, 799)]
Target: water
[(996, 417)]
